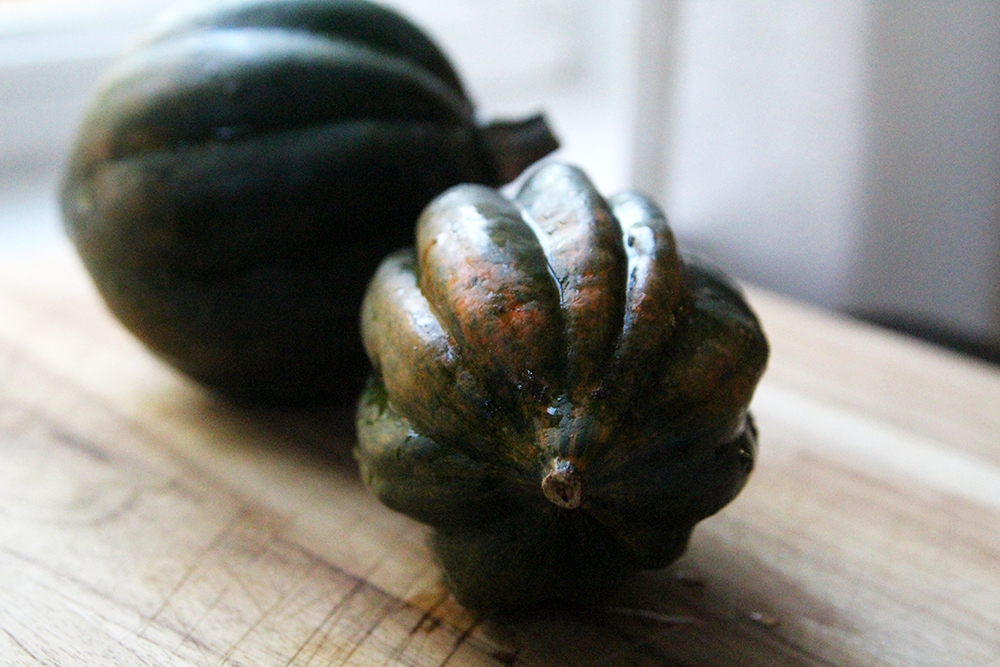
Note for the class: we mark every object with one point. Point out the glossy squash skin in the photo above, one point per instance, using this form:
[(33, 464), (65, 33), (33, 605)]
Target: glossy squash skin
[(241, 172), (556, 391)]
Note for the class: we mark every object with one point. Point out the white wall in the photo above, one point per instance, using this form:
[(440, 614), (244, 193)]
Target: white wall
[(767, 137), (51, 54), (930, 243), (843, 151)]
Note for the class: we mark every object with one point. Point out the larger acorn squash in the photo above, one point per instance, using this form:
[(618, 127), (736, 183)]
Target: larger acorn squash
[(556, 391), (241, 172)]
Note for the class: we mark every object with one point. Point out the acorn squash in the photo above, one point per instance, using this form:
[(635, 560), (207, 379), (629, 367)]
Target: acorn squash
[(556, 391), (240, 173)]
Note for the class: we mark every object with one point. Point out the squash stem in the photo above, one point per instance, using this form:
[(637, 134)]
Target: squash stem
[(562, 485), (513, 145)]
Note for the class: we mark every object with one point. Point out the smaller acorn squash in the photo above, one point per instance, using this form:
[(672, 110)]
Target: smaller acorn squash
[(241, 172), (556, 392)]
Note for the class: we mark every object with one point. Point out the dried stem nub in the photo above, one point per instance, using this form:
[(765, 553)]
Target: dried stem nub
[(563, 485)]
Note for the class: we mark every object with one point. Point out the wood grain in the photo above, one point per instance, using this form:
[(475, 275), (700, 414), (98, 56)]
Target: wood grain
[(145, 521)]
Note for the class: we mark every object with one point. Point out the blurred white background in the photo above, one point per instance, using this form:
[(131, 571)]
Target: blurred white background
[(846, 152)]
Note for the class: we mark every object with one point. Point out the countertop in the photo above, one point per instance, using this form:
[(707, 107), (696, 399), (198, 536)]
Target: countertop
[(146, 521)]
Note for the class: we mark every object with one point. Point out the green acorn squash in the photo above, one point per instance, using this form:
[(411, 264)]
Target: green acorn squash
[(557, 392), (240, 173)]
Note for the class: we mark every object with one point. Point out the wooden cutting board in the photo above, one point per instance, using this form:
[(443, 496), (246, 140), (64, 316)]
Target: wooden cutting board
[(144, 521)]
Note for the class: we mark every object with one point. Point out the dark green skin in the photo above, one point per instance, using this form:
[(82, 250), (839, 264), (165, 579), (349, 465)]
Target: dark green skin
[(240, 174), (500, 349)]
